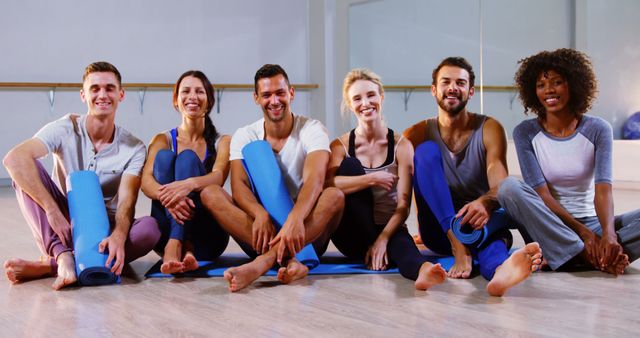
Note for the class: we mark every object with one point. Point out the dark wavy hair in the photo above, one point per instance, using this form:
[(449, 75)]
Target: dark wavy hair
[(571, 64), (210, 132), (455, 61)]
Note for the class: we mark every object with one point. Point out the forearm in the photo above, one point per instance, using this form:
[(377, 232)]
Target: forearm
[(124, 218), (150, 187), (24, 173), (603, 202), (246, 200), (215, 177), (307, 198), (395, 222), (351, 184)]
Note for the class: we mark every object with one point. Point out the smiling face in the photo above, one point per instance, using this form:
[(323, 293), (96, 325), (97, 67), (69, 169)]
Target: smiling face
[(365, 100), (274, 96), (101, 92), (552, 90), (452, 89), (192, 97)]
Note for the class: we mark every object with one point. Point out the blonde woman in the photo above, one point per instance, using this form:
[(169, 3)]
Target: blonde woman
[(373, 167)]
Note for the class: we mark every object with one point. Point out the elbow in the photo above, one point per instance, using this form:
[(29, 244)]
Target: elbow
[(144, 191), (11, 161), (403, 211)]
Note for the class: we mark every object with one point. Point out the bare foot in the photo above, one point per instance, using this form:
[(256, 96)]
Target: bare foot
[(430, 275), (241, 276), (462, 265), (292, 272), (515, 269), (189, 262), (18, 270), (66, 271), (617, 268), (171, 267), (171, 259)]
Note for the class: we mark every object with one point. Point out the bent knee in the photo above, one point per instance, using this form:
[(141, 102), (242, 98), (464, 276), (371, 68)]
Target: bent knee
[(212, 195), (510, 187), (147, 233), (335, 198)]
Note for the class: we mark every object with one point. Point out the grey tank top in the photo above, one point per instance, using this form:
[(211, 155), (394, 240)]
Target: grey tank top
[(465, 171), (385, 202)]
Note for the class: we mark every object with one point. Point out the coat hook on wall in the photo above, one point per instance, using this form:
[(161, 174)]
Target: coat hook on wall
[(405, 97), (219, 92), (513, 98), (141, 93), (52, 99)]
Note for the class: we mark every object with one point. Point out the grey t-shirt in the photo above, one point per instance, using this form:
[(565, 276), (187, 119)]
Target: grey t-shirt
[(67, 139), (570, 166)]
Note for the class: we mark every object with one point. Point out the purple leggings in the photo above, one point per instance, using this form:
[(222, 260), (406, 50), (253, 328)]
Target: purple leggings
[(143, 235)]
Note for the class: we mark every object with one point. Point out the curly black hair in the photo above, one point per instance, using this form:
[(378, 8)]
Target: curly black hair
[(573, 65)]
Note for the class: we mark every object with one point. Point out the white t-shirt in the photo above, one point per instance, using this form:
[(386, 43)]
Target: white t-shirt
[(68, 140), (308, 135)]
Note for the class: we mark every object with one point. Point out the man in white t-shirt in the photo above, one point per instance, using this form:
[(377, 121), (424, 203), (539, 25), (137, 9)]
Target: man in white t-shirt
[(301, 147), (81, 142)]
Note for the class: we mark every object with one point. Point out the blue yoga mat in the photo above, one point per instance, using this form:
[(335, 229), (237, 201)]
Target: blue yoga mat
[(90, 225), (468, 236), (331, 264), (264, 173)]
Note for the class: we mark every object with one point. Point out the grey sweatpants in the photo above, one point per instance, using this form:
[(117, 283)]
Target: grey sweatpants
[(558, 242)]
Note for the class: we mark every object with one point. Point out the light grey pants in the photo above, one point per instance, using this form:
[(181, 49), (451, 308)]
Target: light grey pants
[(558, 242)]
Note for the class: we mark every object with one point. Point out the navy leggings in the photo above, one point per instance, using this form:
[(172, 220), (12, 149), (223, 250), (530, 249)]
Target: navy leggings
[(357, 230), (436, 211), (204, 233)]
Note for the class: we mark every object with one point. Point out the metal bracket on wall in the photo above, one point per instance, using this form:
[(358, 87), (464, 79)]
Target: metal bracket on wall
[(141, 93), (52, 99), (219, 92), (405, 97), (511, 99)]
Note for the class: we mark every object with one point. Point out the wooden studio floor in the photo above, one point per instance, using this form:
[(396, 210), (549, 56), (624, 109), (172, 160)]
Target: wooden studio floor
[(547, 304)]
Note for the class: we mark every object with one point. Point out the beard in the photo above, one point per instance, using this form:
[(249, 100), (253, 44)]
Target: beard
[(452, 110)]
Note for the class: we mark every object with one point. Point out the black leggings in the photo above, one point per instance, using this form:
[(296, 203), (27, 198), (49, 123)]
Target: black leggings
[(357, 230)]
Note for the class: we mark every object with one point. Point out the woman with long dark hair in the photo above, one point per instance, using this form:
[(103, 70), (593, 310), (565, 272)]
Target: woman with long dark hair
[(181, 162)]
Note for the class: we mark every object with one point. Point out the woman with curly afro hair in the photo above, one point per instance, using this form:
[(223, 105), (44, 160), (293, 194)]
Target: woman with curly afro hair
[(565, 157)]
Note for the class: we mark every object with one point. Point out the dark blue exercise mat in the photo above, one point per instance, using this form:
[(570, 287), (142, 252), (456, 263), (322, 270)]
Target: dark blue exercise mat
[(90, 225), (330, 264), (468, 236), (268, 183)]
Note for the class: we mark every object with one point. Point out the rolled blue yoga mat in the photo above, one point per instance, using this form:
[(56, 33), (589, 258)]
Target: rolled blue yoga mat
[(90, 226), (264, 172), (466, 235)]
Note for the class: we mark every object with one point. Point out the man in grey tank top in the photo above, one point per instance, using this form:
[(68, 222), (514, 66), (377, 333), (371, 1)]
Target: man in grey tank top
[(459, 162)]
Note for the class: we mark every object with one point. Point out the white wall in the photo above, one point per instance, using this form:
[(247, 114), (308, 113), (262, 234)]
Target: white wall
[(611, 39), (316, 41), (403, 40), (149, 41)]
